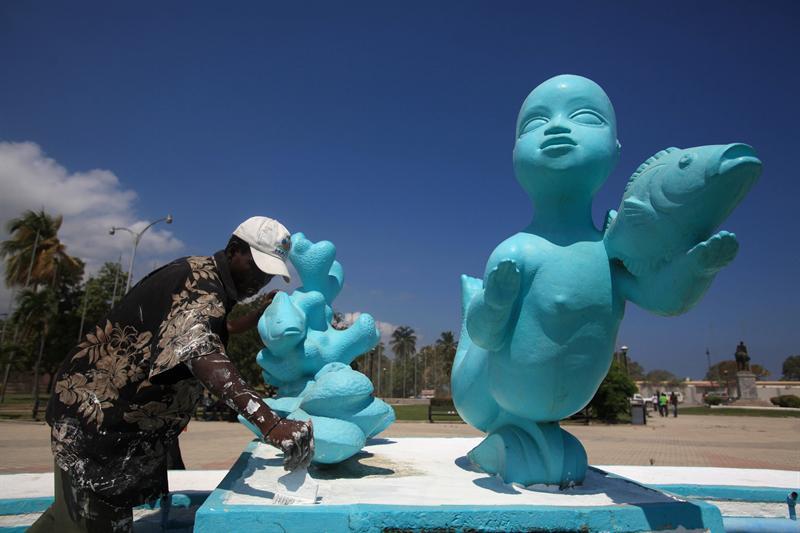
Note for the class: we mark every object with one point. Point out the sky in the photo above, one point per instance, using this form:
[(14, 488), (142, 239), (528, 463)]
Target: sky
[(387, 128)]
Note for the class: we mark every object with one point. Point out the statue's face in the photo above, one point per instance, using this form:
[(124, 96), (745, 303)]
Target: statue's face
[(566, 138), (282, 326)]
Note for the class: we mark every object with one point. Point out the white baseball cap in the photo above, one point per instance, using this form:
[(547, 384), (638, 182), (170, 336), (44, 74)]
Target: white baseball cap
[(269, 242)]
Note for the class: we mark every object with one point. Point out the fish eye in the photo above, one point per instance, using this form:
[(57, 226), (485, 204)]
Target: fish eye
[(685, 161), (587, 117), (532, 124)]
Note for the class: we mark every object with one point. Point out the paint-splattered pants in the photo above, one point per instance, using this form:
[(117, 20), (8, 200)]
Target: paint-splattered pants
[(76, 510)]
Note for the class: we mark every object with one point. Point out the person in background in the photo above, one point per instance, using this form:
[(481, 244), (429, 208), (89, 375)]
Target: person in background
[(673, 400), (662, 404)]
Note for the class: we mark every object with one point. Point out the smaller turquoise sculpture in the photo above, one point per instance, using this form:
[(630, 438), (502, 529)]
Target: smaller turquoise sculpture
[(308, 360)]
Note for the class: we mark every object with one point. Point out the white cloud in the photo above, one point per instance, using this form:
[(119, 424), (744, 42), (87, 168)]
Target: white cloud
[(91, 202), (384, 328)]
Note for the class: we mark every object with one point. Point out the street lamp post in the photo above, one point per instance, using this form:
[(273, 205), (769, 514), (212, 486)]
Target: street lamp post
[(624, 350), (136, 238)]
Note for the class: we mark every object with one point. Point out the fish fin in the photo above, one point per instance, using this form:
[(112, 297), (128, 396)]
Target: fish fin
[(637, 211), (611, 214), (644, 167), (640, 267)]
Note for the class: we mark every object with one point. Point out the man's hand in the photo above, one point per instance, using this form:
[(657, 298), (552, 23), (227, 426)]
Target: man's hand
[(296, 440)]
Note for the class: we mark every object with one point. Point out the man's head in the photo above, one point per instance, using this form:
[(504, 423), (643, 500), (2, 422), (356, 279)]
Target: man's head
[(256, 252)]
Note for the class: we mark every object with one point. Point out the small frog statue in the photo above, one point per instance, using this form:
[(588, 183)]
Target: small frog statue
[(539, 329)]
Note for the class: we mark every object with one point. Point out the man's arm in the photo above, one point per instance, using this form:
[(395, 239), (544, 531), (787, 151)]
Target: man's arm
[(250, 320), (220, 376), (679, 285)]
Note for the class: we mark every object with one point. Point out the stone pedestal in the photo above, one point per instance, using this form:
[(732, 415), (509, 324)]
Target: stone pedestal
[(427, 484), (746, 385), (747, 392)]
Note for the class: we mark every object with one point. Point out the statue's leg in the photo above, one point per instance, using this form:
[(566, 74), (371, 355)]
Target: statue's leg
[(531, 453)]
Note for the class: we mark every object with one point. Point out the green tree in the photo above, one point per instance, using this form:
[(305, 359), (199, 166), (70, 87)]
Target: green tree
[(34, 248), (791, 368), (658, 376), (100, 293), (404, 346), (636, 371), (377, 364), (612, 399), (445, 354), (64, 327), (35, 259), (35, 312), (723, 373), (759, 371)]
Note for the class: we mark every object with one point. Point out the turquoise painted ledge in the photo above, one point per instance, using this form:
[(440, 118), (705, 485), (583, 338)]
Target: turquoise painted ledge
[(14, 506), (215, 515), (728, 492)]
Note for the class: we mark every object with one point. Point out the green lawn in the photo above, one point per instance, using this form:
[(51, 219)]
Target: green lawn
[(420, 413), (23, 399), (737, 412)]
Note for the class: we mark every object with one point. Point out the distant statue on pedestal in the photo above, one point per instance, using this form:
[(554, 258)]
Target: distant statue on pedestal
[(742, 359)]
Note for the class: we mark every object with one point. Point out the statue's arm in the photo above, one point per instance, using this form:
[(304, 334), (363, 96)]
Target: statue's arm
[(679, 285), (490, 311)]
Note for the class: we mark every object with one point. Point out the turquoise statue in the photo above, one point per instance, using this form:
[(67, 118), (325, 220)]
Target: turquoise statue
[(539, 330), (308, 360)]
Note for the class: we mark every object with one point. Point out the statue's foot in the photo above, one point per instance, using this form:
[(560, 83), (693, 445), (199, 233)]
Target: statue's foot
[(552, 457)]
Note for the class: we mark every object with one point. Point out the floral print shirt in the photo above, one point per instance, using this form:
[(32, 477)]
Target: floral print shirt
[(123, 395)]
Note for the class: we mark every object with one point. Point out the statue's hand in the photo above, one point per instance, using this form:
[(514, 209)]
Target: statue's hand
[(712, 255), (502, 285)]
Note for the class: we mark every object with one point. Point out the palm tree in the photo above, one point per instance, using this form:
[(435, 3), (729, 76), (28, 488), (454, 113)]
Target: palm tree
[(34, 313), (446, 347), (34, 254), (404, 344)]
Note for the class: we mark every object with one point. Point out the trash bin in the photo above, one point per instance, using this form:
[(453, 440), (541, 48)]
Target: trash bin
[(638, 414)]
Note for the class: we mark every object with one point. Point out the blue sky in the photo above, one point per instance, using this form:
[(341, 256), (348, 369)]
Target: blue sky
[(388, 129)]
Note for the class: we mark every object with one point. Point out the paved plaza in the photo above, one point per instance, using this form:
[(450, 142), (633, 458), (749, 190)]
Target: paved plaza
[(715, 441)]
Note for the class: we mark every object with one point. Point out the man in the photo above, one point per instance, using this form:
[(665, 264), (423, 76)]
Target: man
[(125, 393)]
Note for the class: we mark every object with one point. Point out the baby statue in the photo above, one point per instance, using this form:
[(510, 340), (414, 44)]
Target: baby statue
[(540, 328)]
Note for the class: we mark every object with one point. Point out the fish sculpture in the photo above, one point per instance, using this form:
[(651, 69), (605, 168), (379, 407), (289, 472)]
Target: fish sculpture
[(676, 199)]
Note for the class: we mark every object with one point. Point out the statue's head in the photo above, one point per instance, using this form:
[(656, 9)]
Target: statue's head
[(566, 139)]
